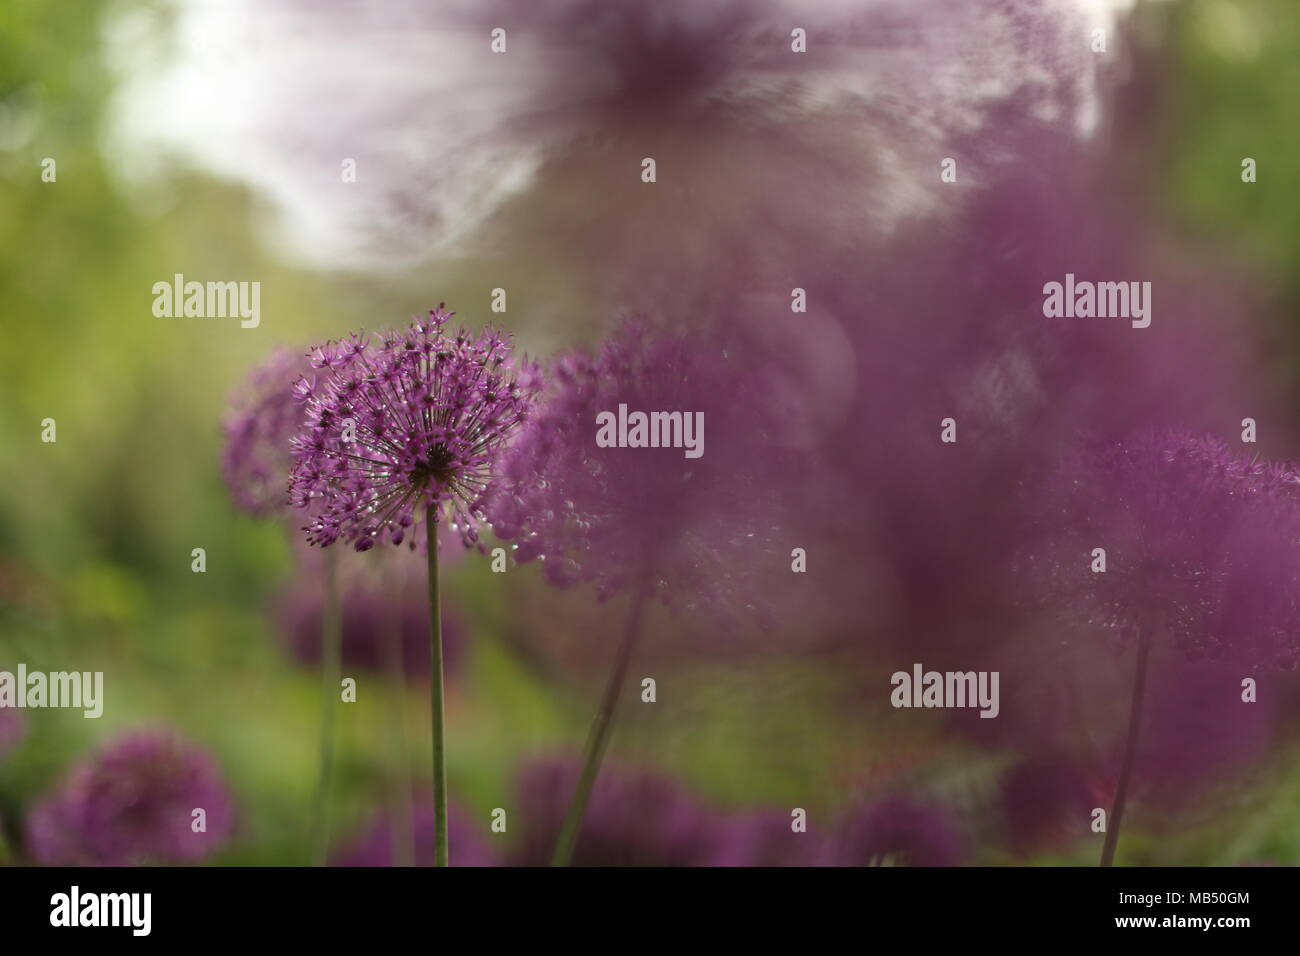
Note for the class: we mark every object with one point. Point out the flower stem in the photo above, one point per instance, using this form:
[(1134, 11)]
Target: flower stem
[(440, 856), (1130, 751), (598, 736), (330, 657)]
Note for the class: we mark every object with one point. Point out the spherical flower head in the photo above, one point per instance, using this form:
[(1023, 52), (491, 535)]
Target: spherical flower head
[(415, 420), (374, 847), (133, 803), (1202, 546), (264, 416), (621, 516)]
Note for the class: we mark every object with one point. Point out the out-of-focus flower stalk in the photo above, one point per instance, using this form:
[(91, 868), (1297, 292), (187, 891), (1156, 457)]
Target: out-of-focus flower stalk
[(1130, 750), (600, 728)]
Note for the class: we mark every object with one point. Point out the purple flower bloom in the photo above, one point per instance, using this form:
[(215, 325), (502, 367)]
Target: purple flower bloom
[(132, 803), (373, 615), (635, 818), (412, 422), (1202, 546), (264, 416), (897, 831), (375, 845), (689, 528), (766, 838)]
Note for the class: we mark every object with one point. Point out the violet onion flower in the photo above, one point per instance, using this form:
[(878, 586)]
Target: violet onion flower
[(405, 426), (264, 416), (657, 520), (134, 802), (1202, 552), (408, 425)]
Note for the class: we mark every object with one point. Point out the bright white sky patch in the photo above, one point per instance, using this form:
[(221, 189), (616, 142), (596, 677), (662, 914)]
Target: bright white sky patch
[(442, 130)]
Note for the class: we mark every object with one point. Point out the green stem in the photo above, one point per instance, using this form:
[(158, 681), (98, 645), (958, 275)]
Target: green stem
[(440, 856), (598, 736), (1130, 752), (330, 665)]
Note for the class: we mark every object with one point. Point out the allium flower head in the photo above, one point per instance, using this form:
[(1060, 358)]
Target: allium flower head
[(264, 416), (415, 419), (1202, 546), (635, 818), (132, 803), (644, 516)]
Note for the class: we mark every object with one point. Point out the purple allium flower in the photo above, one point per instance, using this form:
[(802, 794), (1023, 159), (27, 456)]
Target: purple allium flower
[(264, 417), (690, 529), (370, 613), (897, 832), (415, 421), (1202, 546), (634, 818), (374, 847), (765, 838), (12, 727), (132, 803)]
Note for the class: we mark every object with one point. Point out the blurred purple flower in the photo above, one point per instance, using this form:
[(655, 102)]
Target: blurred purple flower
[(415, 421), (691, 531), (264, 417), (132, 803), (1202, 547), (374, 847), (373, 615), (896, 831), (765, 838), (634, 818)]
